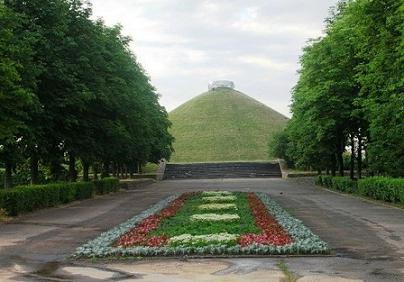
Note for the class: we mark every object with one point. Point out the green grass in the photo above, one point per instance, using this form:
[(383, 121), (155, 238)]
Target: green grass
[(150, 168), (223, 125), (289, 276), (181, 223)]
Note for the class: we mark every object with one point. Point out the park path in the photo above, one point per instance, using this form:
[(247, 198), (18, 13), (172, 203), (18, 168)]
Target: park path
[(367, 238)]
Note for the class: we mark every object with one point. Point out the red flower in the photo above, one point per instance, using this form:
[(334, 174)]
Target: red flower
[(272, 232), (138, 236)]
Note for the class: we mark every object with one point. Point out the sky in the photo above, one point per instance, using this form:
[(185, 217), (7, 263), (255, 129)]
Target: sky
[(185, 44)]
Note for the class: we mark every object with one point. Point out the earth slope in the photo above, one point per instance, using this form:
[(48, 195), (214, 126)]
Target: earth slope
[(223, 125)]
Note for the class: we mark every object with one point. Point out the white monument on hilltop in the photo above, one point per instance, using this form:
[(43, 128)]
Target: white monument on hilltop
[(221, 83)]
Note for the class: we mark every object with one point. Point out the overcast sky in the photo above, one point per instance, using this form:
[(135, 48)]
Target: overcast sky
[(185, 44)]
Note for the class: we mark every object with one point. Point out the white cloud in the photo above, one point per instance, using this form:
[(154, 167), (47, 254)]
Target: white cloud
[(266, 62), (184, 44)]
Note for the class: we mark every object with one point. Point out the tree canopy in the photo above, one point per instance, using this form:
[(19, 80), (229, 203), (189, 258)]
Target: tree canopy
[(71, 89), (349, 95)]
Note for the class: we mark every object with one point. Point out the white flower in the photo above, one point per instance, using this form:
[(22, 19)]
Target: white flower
[(216, 206), (216, 193), (215, 199), (215, 217), (195, 239)]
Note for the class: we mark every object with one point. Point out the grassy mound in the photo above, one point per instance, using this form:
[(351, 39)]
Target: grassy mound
[(223, 125)]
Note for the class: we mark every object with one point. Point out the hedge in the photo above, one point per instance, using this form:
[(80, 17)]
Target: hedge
[(106, 185), (28, 198), (379, 188), (382, 188)]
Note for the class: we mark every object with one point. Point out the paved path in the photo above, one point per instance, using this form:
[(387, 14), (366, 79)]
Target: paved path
[(367, 239)]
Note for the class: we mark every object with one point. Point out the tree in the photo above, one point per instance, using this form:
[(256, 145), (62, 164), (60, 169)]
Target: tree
[(92, 100), (17, 78)]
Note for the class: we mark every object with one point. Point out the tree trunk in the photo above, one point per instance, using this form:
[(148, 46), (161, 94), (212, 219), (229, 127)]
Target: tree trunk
[(34, 168), (55, 170), (121, 171), (105, 170), (333, 164), (114, 169), (8, 175), (131, 170), (359, 156), (86, 169), (341, 159), (352, 164), (72, 168), (95, 171)]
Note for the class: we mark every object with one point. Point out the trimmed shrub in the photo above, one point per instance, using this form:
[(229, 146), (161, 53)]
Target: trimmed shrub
[(318, 181), (344, 184), (379, 188), (324, 180), (1, 178), (28, 198), (106, 185), (382, 188), (84, 191)]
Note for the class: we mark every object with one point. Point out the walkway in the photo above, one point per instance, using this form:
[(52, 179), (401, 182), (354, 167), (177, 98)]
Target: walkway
[(367, 239)]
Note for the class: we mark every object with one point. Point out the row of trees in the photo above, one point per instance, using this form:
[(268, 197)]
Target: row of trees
[(349, 96), (72, 93)]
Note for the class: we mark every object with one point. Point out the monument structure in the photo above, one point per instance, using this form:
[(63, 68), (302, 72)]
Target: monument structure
[(221, 84)]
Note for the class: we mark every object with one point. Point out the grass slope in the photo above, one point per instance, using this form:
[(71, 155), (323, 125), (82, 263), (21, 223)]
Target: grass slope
[(223, 125)]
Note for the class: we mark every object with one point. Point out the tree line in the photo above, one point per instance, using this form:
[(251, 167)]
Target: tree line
[(348, 104), (72, 95)]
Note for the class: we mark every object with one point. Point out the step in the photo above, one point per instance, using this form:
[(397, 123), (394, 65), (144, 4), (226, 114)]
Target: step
[(222, 170)]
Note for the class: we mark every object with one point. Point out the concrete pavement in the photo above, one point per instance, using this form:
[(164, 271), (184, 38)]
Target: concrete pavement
[(367, 239)]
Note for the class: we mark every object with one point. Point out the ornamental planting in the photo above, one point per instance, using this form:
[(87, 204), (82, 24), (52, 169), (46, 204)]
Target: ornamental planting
[(229, 223)]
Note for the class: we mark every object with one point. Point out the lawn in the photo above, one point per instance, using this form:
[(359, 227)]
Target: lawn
[(208, 223), (223, 125)]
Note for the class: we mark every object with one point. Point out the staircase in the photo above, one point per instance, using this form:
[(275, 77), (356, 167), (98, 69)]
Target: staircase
[(222, 170)]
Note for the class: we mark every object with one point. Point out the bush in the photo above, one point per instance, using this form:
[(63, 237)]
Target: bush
[(106, 185), (32, 197), (28, 198), (379, 188), (1, 178), (344, 184), (324, 180), (382, 188), (84, 191)]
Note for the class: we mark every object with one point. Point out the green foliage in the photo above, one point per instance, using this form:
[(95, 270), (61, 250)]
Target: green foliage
[(340, 183), (382, 188), (278, 147), (223, 125), (70, 88), (16, 70), (150, 168), (324, 180), (29, 198), (350, 88), (344, 184), (379, 188), (106, 185)]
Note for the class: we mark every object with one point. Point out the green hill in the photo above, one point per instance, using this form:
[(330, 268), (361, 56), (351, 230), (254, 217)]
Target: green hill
[(223, 125)]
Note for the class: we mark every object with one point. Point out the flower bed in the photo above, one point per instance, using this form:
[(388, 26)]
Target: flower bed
[(219, 199), (178, 226), (214, 217), (216, 193), (218, 207)]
